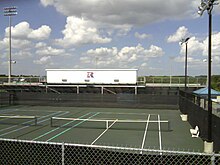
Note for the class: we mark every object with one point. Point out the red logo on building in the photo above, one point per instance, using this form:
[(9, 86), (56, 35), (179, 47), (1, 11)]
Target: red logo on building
[(90, 75)]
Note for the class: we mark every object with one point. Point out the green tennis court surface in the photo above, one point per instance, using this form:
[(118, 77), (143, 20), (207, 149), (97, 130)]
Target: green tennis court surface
[(141, 128)]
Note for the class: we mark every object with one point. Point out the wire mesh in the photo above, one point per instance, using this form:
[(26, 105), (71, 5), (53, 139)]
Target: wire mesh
[(32, 152)]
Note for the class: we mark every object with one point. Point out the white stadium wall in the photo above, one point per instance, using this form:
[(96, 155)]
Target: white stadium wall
[(91, 76)]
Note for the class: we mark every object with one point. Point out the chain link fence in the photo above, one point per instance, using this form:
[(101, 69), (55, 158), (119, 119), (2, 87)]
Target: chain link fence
[(196, 108), (20, 152)]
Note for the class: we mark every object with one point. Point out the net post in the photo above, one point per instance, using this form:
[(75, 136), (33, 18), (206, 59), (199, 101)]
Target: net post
[(35, 120), (106, 124), (51, 121), (169, 129)]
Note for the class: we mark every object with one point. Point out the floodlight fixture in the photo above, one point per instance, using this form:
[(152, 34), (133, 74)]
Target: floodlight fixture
[(13, 62), (10, 11)]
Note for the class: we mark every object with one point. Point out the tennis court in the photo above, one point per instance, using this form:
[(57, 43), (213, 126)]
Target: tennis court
[(140, 128)]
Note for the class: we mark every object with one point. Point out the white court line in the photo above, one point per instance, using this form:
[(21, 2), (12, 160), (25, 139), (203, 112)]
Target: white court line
[(61, 133), (8, 110), (145, 133), (160, 137), (26, 110), (104, 132)]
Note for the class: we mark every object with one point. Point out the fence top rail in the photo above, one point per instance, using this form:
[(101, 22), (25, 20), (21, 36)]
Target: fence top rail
[(114, 147)]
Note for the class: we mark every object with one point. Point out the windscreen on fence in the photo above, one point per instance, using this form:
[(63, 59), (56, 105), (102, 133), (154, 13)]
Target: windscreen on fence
[(4, 99), (196, 109), (96, 100)]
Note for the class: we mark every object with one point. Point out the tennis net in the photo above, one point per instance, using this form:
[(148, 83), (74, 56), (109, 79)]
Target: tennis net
[(23, 120), (163, 125)]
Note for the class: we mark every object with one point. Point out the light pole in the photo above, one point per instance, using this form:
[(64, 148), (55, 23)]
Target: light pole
[(205, 60), (171, 58), (10, 11), (185, 41), (208, 5)]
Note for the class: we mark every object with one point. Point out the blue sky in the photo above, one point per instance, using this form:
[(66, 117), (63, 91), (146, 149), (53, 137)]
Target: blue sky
[(141, 34)]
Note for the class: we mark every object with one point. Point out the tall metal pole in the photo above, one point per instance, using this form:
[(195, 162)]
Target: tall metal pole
[(185, 41), (208, 5), (209, 78), (10, 11), (9, 67), (186, 67)]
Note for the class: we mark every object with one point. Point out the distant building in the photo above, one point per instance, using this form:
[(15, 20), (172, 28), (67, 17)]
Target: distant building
[(92, 76)]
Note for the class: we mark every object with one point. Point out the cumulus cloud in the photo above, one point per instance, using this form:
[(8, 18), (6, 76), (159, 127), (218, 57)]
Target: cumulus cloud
[(47, 2), (198, 50), (125, 12), (80, 31), (22, 54), (43, 60), (198, 47), (103, 51), (16, 44), (215, 45), (20, 30), (41, 33), (21, 44), (49, 51), (109, 57), (195, 47), (3, 44), (142, 36), (155, 51), (23, 31), (133, 53), (100, 56), (178, 35), (40, 45)]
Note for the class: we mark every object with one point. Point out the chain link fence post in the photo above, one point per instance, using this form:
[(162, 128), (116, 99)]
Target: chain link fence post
[(63, 152)]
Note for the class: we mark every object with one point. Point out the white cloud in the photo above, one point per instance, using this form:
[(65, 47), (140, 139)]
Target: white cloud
[(215, 45), (103, 52), (189, 60), (178, 35), (41, 33), (21, 43), (47, 2), (198, 51), (49, 51), (125, 12), (155, 51), (194, 47), (3, 44), (23, 31), (40, 45), (44, 60), (100, 56), (80, 31), (216, 60), (141, 36), (22, 54), (125, 57), (200, 47), (19, 31)]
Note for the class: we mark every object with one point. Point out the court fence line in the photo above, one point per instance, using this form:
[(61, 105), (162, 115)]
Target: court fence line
[(196, 109), (36, 152)]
